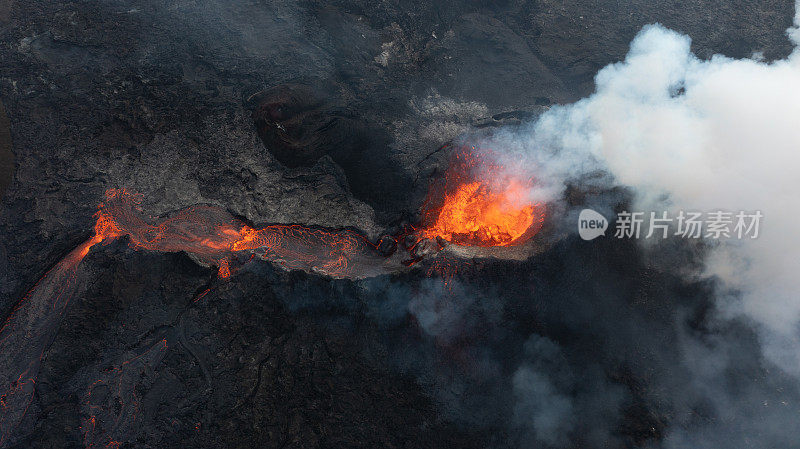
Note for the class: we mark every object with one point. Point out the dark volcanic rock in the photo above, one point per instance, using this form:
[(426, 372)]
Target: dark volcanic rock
[(321, 113), (387, 245), (271, 380), (6, 155)]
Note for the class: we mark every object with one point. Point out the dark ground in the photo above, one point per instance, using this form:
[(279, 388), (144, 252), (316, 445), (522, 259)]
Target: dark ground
[(302, 112)]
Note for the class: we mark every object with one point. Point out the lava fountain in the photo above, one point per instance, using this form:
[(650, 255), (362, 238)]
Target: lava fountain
[(479, 202)]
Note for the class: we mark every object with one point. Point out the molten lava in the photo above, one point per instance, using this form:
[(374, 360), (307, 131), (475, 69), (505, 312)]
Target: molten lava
[(477, 204), (213, 236), (483, 205)]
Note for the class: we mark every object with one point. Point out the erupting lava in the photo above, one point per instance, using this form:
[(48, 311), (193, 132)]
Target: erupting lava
[(481, 205), (477, 203)]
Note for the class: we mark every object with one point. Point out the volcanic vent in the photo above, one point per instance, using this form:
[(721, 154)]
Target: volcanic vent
[(476, 209), (480, 208)]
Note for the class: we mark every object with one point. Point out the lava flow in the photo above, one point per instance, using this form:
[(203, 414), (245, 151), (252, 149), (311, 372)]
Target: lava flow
[(212, 236), (478, 203), (29, 331), (208, 234)]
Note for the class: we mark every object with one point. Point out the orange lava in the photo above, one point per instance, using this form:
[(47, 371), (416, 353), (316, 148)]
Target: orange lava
[(213, 236), (478, 204), (483, 205), (224, 271)]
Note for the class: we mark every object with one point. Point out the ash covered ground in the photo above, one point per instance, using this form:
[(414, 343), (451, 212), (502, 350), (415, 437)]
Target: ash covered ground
[(335, 115)]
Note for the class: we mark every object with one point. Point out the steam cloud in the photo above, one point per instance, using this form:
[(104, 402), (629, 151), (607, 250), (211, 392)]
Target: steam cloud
[(707, 135), (686, 134)]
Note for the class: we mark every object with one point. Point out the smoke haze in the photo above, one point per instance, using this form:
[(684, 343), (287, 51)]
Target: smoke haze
[(695, 135), (691, 134)]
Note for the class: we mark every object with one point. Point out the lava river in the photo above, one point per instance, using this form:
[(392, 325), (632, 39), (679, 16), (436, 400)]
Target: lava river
[(475, 204), (208, 234)]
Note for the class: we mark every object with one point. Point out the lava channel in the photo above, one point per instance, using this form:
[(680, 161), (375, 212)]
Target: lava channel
[(477, 204), (29, 331), (213, 236)]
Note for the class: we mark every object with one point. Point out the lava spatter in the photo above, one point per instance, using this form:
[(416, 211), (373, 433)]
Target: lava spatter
[(480, 203)]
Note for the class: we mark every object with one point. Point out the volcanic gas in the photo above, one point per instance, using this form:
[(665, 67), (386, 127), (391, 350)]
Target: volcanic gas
[(479, 203)]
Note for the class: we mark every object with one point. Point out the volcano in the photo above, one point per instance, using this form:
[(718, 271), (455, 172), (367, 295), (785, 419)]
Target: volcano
[(213, 237), (351, 224)]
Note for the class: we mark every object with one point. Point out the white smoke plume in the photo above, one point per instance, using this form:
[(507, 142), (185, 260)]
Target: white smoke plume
[(691, 134), (683, 133)]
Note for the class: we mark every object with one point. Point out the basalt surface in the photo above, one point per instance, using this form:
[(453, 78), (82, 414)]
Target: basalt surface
[(330, 114)]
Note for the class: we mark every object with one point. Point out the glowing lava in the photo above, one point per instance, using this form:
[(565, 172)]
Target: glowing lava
[(478, 203), (212, 236), (483, 205)]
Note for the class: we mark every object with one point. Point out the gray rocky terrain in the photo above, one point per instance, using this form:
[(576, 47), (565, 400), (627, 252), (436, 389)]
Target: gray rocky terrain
[(329, 114)]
